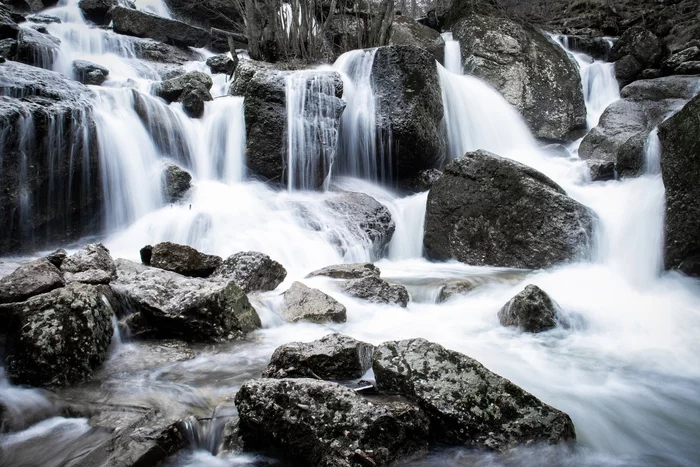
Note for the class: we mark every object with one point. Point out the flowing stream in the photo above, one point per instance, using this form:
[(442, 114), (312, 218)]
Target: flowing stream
[(626, 372)]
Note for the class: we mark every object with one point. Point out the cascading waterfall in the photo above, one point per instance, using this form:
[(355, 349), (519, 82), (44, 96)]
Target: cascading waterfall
[(453, 56)]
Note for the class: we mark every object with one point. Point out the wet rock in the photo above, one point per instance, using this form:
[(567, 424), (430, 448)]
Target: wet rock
[(36, 48), (323, 423), (597, 47), (176, 183), (672, 63), (423, 180), (145, 254), (636, 45), (158, 52), (516, 216), (58, 338), (407, 31), (332, 357), (467, 285), (44, 19), (601, 170), (89, 73), (688, 68), (302, 303), (173, 89), (8, 49), (347, 271), (365, 216), (31, 279), (92, 264), (532, 73), (467, 404), (57, 257), (8, 25), (141, 24), (407, 89), (532, 310), (376, 290), (252, 271), (183, 259), (192, 309), (207, 14), (193, 98), (98, 11), (679, 169), (628, 69), (222, 64)]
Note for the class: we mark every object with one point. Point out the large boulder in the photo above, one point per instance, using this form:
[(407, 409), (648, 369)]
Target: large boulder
[(142, 24), (222, 64), (636, 50), (89, 73), (92, 264), (28, 280), (176, 182), (619, 138), (302, 303), (410, 111), (38, 206), (407, 31), (467, 404), (680, 169), (183, 259), (192, 89), (252, 271), (98, 11), (58, 338), (515, 216), (528, 69), (8, 26), (192, 309), (324, 423), (532, 310), (332, 357)]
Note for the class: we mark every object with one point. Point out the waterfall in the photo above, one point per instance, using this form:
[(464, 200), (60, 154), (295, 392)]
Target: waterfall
[(453, 56)]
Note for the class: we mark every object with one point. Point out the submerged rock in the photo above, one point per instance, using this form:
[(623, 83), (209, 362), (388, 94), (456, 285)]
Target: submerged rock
[(516, 216), (332, 357), (532, 310), (142, 24), (176, 183), (252, 271), (324, 423), (89, 73), (467, 404), (192, 309), (57, 338), (183, 259), (302, 303), (28, 280)]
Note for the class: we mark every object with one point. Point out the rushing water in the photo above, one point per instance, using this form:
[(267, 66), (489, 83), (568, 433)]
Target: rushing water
[(626, 372)]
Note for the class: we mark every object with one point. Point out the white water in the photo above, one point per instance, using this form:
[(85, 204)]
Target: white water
[(453, 56)]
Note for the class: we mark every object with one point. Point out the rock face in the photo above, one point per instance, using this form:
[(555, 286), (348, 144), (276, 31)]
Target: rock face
[(37, 48), (89, 73), (302, 303), (332, 357), (407, 31), (366, 217), (176, 182), (92, 264), (31, 279), (323, 423), (183, 259), (467, 404), (407, 89), (515, 217), (619, 138), (55, 110), (636, 50), (58, 338), (533, 74), (680, 161), (221, 14), (141, 24), (252, 271), (532, 310), (196, 310)]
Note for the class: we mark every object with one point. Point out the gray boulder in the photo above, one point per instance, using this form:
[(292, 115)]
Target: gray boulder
[(347, 271), (89, 73), (637, 49), (158, 52), (183, 259), (516, 216), (142, 24), (193, 98), (252, 271), (410, 112), (222, 14), (31, 279), (92, 264), (302, 303), (57, 257), (467, 404), (324, 423), (407, 31), (332, 357), (98, 11), (57, 338), (376, 290), (528, 69), (176, 182), (222, 64), (532, 310), (680, 169), (422, 181), (192, 309), (174, 89)]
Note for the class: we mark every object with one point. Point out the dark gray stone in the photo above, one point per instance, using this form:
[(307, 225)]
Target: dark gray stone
[(142, 24), (222, 64), (36, 48), (376, 290), (302, 303), (635, 50), (98, 11), (57, 257), (176, 183), (89, 73), (407, 31), (92, 264), (183, 259), (532, 310), (193, 98), (252, 271), (28, 280), (174, 89)]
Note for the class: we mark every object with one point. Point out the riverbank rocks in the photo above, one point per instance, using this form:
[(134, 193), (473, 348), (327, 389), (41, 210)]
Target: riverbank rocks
[(467, 404), (530, 71), (407, 31), (624, 127), (332, 357), (680, 169), (92, 264), (302, 303), (192, 309), (176, 183), (532, 310), (324, 423), (366, 217), (636, 50), (57, 338), (89, 73), (410, 111), (516, 216), (142, 24), (28, 280), (183, 259), (252, 271)]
